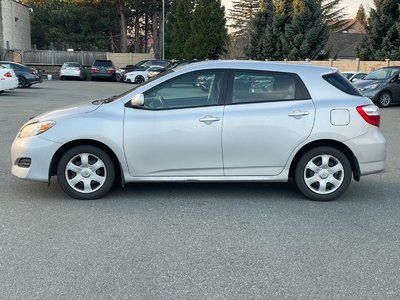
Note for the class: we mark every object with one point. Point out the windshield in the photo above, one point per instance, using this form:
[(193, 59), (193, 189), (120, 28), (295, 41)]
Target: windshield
[(381, 74), (113, 98)]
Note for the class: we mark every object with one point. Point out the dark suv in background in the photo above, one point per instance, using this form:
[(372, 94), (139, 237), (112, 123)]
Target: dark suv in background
[(102, 69), (382, 86), (26, 75)]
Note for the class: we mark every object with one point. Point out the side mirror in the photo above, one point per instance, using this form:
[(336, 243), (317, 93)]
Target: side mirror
[(137, 100)]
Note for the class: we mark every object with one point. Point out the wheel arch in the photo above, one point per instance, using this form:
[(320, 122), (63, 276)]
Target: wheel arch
[(329, 143), (57, 156)]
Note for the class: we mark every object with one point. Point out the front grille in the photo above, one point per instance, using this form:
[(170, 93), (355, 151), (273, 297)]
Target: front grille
[(24, 162)]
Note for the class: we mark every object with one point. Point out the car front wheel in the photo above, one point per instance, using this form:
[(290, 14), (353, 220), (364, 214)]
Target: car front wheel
[(85, 172), (139, 79), (323, 173), (385, 99)]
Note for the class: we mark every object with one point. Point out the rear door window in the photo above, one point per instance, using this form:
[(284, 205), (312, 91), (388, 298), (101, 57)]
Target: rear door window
[(255, 86)]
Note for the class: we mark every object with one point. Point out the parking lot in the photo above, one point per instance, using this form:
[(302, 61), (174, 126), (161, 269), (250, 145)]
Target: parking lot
[(192, 240)]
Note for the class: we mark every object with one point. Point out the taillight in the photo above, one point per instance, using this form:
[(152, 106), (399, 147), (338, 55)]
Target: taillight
[(110, 70), (370, 113), (32, 71), (94, 70), (8, 74)]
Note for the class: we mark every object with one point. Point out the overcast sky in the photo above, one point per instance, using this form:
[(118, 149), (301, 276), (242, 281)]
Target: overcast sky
[(351, 5)]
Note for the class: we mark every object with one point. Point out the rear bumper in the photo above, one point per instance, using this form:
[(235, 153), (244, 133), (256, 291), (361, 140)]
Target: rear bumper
[(103, 75), (9, 84), (370, 150)]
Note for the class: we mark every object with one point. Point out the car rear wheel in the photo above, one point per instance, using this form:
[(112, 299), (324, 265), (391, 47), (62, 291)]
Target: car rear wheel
[(85, 172), (385, 99), (21, 82), (323, 173), (139, 79)]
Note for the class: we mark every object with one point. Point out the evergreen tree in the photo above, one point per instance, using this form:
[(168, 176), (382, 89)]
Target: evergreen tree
[(307, 33), (361, 15), (178, 31), (262, 39), (293, 29), (208, 32), (333, 13), (383, 32), (241, 13)]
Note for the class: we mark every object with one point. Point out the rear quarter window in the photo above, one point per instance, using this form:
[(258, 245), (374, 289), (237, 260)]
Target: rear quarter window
[(341, 83)]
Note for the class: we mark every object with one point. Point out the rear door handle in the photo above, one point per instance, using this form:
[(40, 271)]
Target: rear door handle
[(297, 114), (209, 119)]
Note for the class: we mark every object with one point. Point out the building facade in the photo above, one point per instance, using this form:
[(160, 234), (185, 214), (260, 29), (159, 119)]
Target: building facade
[(15, 28)]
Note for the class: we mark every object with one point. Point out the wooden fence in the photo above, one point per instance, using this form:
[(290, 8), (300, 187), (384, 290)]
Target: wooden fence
[(86, 58)]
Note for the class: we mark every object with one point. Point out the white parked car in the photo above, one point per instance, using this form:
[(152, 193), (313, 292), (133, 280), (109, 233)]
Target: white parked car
[(8, 80), (140, 76), (73, 70)]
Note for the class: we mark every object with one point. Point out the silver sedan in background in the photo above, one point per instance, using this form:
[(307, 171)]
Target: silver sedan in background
[(73, 70), (211, 121)]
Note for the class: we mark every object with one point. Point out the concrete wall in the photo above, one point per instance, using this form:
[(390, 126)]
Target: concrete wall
[(123, 59), (15, 25)]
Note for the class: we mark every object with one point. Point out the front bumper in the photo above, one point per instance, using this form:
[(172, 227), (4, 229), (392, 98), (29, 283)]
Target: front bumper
[(40, 151)]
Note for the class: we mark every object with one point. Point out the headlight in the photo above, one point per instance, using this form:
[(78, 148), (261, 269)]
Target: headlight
[(371, 86), (35, 128)]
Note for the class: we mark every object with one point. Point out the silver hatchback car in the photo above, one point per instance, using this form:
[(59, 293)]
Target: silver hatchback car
[(211, 121)]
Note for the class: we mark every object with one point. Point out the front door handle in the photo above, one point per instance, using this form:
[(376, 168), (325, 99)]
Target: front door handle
[(297, 114), (209, 119)]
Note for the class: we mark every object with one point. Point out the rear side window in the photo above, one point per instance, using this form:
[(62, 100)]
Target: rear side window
[(341, 83), (256, 86)]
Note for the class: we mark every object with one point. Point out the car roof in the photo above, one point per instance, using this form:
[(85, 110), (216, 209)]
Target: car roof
[(261, 65)]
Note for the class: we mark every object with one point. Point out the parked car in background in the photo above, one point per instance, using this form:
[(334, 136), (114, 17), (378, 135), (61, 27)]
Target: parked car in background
[(382, 86), (303, 122), (181, 63), (8, 79), (141, 75), (154, 71), (144, 64), (354, 76), (26, 75), (73, 70), (102, 69), (173, 65)]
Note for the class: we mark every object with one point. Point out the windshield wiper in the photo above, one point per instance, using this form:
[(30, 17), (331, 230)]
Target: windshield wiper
[(105, 100)]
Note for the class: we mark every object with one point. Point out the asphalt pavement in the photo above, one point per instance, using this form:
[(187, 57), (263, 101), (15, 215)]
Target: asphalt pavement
[(192, 240)]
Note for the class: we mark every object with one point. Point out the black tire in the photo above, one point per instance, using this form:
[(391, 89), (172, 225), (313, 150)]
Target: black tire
[(21, 82), (118, 77), (139, 79), (331, 181), (385, 99), (99, 180), (28, 85)]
